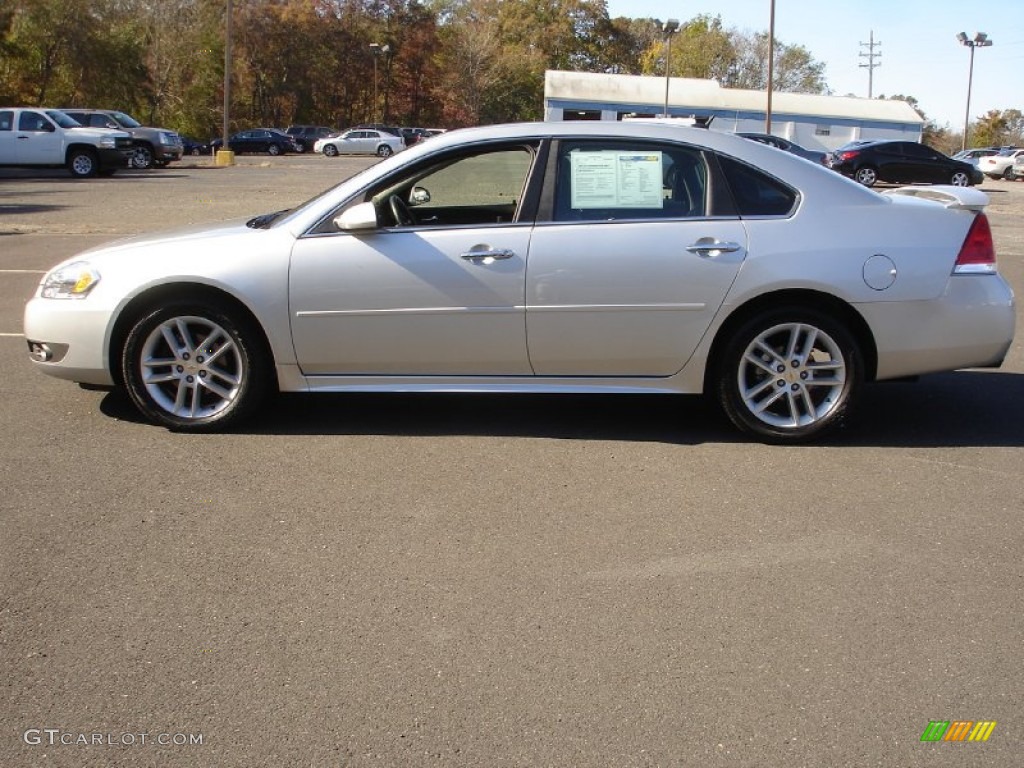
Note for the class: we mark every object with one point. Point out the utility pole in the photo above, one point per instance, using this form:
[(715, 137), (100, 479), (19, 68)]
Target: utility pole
[(871, 56)]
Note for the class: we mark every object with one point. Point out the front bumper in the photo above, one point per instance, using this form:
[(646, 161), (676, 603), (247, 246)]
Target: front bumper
[(167, 153), (76, 336), (113, 158)]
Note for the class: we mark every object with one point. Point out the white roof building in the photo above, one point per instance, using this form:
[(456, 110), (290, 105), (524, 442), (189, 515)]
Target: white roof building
[(811, 120)]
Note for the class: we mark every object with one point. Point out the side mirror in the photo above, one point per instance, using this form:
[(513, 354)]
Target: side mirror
[(419, 196), (358, 218)]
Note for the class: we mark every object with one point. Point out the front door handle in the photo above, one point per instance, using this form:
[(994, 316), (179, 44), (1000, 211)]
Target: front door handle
[(708, 246), (484, 254)]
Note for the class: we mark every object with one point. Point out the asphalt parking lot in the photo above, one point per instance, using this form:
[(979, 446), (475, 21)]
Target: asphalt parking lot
[(491, 581)]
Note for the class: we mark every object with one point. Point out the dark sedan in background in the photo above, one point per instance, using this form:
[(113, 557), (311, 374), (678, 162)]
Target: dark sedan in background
[(902, 162), (258, 140)]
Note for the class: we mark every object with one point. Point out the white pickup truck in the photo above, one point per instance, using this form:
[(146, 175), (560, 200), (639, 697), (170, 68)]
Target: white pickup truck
[(49, 138)]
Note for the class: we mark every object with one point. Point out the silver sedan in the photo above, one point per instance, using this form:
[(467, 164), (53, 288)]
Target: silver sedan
[(360, 142), (553, 257)]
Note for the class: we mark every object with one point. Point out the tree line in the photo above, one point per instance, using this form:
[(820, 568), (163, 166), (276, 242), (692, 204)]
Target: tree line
[(446, 63)]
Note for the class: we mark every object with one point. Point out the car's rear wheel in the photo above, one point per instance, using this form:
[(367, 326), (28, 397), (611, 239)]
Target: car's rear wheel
[(866, 176), (274, 150), (384, 151), (789, 375), (195, 368), (330, 150), (960, 179), (1009, 174)]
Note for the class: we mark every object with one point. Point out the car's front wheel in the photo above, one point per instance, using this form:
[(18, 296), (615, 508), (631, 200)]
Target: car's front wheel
[(384, 150), (960, 179), (330, 150), (143, 158), (194, 368), (790, 374), (82, 163), (866, 176), (274, 150)]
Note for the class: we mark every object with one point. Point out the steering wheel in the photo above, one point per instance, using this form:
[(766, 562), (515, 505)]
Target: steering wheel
[(400, 210)]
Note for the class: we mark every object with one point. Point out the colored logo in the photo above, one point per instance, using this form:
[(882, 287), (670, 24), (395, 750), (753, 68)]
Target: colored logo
[(958, 730)]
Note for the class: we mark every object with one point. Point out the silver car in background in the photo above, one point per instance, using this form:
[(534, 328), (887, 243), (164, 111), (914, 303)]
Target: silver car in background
[(553, 258), (360, 142)]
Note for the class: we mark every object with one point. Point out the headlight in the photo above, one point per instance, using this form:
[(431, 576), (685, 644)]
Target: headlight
[(72, 281), (108, 142), (167, 138)]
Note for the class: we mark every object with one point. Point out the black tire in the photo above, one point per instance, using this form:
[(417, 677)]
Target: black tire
[(960, 179), (866, 175), (195, 152), (82, 163), (330, 150), (1008, 173), (384, 150), (217, 373), (143, 158), (790, 375), (273, 150)]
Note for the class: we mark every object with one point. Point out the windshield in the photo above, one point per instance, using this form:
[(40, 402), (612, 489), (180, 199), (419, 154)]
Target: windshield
[(62, 120), (126, 120)]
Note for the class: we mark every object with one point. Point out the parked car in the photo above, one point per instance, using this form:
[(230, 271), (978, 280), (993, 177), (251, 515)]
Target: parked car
[(551, 258), (972, 156), (258, 140), (194, 146), (788, 146), (305, 136), (902, 162), (1000, 165), (414, 135), (1018, 167), (48, 138), (153, 146), (360, 143)]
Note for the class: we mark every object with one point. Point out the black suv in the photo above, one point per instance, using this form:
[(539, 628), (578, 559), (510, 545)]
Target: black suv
[(902, 162), (305, 136)]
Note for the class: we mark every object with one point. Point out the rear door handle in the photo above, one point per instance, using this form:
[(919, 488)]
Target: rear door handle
[(708, 246), (484, 254)]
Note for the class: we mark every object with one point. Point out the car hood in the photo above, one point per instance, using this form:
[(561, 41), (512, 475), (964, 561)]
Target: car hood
[(99, 133), (184, 237)]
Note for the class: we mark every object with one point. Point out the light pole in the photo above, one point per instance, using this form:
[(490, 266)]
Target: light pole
[(378, 50), (224, 155), (980, 41), (670, 28), (771, 68)]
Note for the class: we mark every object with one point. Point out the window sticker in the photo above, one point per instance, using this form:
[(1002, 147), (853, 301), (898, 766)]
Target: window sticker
[(613, 179)]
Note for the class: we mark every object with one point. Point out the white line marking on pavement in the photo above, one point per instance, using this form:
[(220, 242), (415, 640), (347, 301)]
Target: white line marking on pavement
[(12, 335), (23, 271)]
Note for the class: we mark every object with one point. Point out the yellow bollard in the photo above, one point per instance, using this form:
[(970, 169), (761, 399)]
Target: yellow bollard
[(225, 157)]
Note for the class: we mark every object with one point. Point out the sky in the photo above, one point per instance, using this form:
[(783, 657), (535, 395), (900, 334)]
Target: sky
[(920, 55)]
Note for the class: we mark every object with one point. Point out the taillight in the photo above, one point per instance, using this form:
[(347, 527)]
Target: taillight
[(844, 156), (977, 254)]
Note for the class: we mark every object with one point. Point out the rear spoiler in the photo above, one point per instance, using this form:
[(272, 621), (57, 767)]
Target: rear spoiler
[(957, 198)]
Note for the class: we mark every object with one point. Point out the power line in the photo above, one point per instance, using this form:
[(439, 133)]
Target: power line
[(871, 56)]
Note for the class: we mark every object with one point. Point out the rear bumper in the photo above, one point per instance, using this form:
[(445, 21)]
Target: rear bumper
[(971, 325)]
